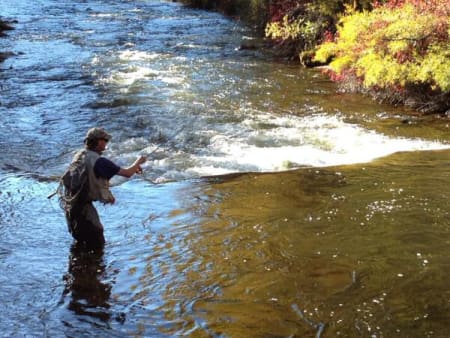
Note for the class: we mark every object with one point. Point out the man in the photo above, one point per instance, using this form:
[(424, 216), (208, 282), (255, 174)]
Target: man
[(87, 180)]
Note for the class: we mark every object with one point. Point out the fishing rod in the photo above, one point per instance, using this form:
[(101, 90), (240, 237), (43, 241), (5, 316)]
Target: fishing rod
[(171, 138)]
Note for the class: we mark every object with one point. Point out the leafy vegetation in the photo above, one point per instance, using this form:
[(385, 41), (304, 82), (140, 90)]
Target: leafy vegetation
[(300, 24), (396, 50), (300, 27), (254, 12), (401, 47)]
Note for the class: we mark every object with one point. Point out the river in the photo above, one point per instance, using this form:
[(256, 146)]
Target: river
[(271, 204)]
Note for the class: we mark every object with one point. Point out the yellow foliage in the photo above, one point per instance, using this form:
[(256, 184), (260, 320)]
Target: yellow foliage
[(299, 29), (327, 50), (435, 68), (398, 46), (392, 47), (284, 30), (340, 64)]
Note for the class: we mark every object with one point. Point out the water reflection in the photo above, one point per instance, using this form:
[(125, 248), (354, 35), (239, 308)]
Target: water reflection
[(343, 251), (264, 255), (362, 250), (87, 287)]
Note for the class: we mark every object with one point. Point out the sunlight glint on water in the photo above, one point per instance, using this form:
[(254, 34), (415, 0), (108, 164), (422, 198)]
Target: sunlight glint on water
[(352, 251), (253, 140)]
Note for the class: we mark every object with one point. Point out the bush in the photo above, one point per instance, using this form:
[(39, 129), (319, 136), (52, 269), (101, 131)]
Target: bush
[(296, 26), (400, 46), (299, 25), (253, 12)]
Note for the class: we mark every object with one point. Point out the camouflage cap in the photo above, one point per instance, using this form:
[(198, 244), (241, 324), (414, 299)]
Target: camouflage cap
[(97, 134)]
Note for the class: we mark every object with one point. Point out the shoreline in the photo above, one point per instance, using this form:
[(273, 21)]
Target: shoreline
[(424, 102)]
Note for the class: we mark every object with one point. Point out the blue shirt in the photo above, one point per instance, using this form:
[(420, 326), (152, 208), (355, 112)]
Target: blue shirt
[(105, 168)]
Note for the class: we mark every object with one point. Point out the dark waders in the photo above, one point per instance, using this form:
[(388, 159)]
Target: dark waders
[(85, 226)]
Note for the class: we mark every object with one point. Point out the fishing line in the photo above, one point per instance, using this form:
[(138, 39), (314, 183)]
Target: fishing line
[(171, 138), (168, 140)]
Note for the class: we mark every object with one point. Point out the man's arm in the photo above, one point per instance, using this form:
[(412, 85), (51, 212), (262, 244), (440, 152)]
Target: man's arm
[(135, 168)]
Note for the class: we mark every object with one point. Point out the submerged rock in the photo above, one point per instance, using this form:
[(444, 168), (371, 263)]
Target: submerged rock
[(5, 55), (4, 26)]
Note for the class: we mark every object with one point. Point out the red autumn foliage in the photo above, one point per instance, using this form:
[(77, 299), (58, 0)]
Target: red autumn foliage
[(279, 8), (438, 7)]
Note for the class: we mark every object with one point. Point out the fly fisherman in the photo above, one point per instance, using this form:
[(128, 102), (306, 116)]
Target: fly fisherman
[(87, 180)]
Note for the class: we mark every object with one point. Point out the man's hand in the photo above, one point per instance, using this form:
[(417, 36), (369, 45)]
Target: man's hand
[(138, 162), (135, 168), (141, 160)]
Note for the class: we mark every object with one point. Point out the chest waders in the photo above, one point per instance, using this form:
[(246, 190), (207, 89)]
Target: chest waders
[(82, 218)]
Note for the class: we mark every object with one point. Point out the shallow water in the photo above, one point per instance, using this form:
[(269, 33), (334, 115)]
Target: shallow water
[(354, 243)]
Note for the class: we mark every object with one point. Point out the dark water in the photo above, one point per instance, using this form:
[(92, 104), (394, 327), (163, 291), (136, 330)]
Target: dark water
[(354, 243)]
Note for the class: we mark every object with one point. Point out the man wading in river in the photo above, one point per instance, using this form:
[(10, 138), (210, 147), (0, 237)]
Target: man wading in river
[(87, 180)]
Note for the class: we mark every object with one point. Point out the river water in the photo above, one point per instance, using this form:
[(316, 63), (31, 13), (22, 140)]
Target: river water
[(271, 204)]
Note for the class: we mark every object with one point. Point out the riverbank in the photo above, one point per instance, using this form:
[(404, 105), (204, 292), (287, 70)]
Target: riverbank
[(255, 14), (410, 73)]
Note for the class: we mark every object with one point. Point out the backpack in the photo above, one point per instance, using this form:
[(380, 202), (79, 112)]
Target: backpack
[(73, 181)]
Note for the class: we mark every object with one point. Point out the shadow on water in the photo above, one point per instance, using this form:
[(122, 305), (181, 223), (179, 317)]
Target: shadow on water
[(86, 298), (86, 288)]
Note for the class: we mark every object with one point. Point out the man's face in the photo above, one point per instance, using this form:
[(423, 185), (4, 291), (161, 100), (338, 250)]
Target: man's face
[(101, 145)]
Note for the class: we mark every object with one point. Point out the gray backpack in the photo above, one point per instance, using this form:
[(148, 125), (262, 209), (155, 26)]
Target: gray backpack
[(73, 182)]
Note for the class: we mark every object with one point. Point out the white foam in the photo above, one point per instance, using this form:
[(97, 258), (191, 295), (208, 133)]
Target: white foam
[(267, 143), (312, 141), (136, 55), (130, 76), (138, 67)]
